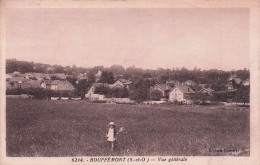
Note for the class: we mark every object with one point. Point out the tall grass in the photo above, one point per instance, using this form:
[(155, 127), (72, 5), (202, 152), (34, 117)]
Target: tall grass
[(78, 128)]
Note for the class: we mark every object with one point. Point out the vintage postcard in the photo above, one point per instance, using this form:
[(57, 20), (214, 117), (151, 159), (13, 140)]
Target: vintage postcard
[(130, 82)]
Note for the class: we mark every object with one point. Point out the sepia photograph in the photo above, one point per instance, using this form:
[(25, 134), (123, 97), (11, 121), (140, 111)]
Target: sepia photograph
[(124, 82)]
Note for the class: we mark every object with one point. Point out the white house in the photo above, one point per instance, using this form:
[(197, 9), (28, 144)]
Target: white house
[(246, 82), (179, 93)]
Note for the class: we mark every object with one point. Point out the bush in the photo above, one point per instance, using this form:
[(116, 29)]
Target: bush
[(155, 95)]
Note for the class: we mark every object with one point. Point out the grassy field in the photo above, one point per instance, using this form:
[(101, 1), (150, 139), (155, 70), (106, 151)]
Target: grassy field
[(78, 128)]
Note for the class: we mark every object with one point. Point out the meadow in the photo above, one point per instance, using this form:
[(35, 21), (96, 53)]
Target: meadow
[(78, 128)]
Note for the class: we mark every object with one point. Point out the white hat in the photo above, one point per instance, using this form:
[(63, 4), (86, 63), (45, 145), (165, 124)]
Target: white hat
[(111, 123)]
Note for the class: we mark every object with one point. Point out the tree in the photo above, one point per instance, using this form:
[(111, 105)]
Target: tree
[(91, 78), (53, 77), (139, 91), (218, 86), (82, 87), (12, 84), (72, 80), (243, 94), (155, 95), (103, 90), (117, 69), (58, 69), (107, 77), (125, 92)]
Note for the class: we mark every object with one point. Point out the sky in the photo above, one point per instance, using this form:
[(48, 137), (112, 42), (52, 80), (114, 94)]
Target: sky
[(147, 38)]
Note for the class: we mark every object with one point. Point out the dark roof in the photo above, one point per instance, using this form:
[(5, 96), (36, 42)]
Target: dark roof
[(35, 83), (61, 84), (64, 86)]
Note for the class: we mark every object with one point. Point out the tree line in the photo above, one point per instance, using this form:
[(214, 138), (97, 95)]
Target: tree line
[(142, 79)]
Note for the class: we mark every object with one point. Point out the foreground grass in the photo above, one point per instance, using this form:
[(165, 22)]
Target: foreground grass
[(78, 128)]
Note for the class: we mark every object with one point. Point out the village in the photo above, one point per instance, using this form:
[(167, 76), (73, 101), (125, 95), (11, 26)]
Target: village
[(103, 89)]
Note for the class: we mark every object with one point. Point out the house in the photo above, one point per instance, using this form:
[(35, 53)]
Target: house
[(233, 80), (230, 86), (25, 84), (29, 76), (246, 82), (206, 90), (35, 83), (163, 88), (57, 85), (18, 80), (121, 83), (231, 77), (91, 90), (190, 83), (82, 76), (37, 76), (17, 74), (180, 93)]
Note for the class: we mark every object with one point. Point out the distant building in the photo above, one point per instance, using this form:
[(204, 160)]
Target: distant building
[(37, 76), (81, 76), (30, 84), (233, 80), (163, 88), (18, 80), (246, 82), (230, 86), (121, 83), (206, 90), (92, 89), (180, 93), (57, 85), (190, 83)]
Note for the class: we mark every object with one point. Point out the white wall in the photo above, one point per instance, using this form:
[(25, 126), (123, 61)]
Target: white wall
[(176, 94)]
